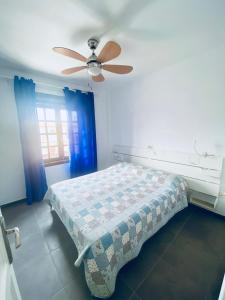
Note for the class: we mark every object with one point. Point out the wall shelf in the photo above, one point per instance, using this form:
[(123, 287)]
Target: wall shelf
[(203, 200)]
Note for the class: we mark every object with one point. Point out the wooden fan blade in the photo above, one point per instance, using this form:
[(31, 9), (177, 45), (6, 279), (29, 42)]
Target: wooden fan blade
[(73, 70), (98, 78), (119, 69), (70, 53), (110, 50)]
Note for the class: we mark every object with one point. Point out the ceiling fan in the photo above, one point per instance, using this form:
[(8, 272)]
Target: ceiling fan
[(94, 64)]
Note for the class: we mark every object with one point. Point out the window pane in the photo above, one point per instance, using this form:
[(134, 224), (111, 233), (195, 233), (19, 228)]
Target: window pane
[(42, 127), (65, 139), (63, 115), (40, 113), (50, 114), (66, 151), (52, 140), (75, 127), (44, 153), (64, 127), (74, 116), (44, 142), (51, 126), (54, 153)]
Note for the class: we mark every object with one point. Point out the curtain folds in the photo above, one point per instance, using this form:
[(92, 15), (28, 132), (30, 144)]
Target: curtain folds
[(34, 171), (82, 133)]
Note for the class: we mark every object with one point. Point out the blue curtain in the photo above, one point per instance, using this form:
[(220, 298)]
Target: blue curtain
[(82, 138), (34, 171)]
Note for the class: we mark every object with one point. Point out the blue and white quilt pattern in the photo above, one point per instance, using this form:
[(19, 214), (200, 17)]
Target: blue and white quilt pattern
[(111, 213)]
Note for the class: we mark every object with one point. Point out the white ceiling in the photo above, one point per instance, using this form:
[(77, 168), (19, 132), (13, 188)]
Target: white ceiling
[(152, 33)]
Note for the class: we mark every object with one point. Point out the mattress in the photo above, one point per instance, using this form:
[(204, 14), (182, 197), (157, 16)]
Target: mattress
[(110, 214)]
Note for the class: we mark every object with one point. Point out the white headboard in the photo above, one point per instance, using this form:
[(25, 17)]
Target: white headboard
[(203, 173)]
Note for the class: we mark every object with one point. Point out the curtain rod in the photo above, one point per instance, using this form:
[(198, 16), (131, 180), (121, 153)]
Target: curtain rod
[(47, 84)]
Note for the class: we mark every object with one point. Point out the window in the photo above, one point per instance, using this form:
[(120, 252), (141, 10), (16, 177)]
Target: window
[(53, 125)]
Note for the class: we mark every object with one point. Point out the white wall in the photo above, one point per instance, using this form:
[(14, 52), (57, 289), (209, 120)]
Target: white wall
[(171, 108), (104, 149), (12, 185), (57, 173)]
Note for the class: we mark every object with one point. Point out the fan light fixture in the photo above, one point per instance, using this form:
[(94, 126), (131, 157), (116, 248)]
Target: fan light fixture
[(94, 68)]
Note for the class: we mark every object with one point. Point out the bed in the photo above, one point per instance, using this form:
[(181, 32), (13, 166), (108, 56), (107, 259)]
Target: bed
[(111, 213)]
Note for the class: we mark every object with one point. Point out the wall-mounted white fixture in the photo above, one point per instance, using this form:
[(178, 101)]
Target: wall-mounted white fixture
[(152, 149), (203, 154)]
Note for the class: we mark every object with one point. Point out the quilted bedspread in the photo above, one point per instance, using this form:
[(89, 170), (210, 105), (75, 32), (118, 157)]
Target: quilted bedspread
[(111, 213)]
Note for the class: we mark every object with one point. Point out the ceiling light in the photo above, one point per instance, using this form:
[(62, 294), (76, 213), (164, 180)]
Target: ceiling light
[(94, 68)]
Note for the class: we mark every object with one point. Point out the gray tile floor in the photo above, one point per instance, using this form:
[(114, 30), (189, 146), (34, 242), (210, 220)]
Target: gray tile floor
[(184, 260)]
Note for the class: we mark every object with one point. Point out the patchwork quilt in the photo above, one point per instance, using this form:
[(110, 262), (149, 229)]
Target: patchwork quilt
[(111, 213)]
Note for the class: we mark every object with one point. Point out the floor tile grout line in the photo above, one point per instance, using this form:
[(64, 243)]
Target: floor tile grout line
[(51, 297), (42, 234), (158, 260), (49, 254), (127, 286), (161, 256), (135, 294)]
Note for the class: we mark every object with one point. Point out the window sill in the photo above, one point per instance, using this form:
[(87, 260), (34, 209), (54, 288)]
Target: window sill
[(54, 163)]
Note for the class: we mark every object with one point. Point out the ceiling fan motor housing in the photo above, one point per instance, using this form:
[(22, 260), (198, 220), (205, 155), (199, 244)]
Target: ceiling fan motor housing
[(93, 43)]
